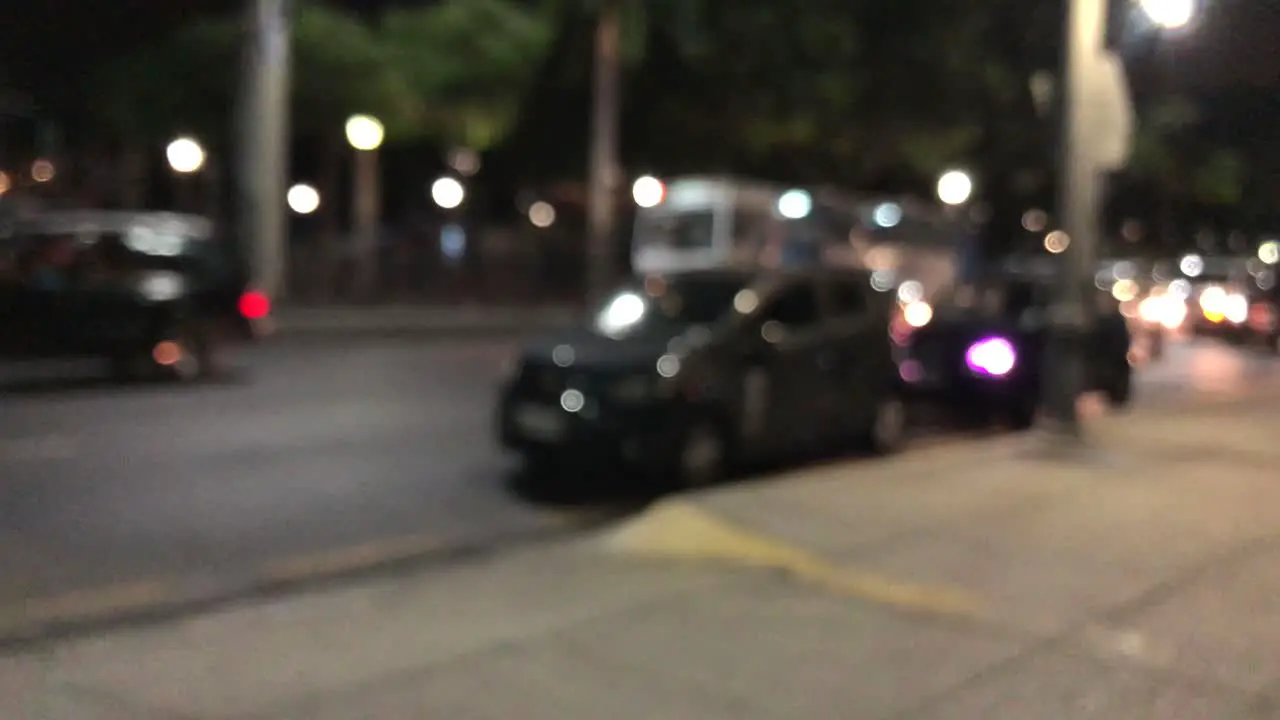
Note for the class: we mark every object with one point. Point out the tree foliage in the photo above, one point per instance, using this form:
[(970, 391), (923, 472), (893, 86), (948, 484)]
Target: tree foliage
[(1172, 162), (469, 62), (456, 69)]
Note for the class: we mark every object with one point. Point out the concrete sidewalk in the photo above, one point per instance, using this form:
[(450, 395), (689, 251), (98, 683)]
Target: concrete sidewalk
[(960, 582), (417, 319)]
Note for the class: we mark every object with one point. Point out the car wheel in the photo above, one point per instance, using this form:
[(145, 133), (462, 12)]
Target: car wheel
[(888, 431), (702, 457)]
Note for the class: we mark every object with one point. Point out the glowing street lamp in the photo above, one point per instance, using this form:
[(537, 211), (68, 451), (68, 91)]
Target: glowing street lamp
[(1169, 14), (542, 214), (955, 187), (303, 199), (648, 191), (185, 155), (364, 132), (448, 193)]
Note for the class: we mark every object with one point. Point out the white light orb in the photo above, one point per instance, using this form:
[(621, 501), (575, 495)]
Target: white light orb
[(185, 155), (1269, 252), (887, 215), (364, 132), (448, 193), (542, 214), (648, 191), (303, 199), (795, 205), (955, 187), (1170, 14)]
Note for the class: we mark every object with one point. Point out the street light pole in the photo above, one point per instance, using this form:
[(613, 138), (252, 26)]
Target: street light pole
[(365, 134), (1078, 206), (602, 181), (264, 141)]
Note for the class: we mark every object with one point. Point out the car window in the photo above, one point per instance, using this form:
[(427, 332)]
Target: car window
[(795, 307)]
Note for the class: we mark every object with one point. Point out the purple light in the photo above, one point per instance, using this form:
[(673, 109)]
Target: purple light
[(992, 356)]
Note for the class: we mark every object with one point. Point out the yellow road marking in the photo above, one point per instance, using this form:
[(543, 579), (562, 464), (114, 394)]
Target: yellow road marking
[(680, 530), (350, 559)]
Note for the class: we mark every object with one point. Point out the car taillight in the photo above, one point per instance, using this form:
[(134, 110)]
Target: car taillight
[(255, 305)]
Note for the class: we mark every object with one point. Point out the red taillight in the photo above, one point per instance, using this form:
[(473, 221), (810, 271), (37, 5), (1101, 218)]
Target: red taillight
[(255, 305)]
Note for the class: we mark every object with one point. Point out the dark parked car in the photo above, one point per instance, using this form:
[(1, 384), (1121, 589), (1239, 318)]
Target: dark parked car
[(685, 375), (153, 293), (983, 353)]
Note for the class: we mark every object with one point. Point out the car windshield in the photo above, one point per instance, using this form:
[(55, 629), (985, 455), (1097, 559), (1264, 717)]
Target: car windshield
[(679, 301), (689, 230)]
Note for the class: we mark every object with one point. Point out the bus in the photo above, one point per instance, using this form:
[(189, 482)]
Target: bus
[(706, 222)]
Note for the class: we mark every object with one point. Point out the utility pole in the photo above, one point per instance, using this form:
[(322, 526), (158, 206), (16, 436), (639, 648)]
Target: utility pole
[(602, 180), (263, 145), (1097, 123)]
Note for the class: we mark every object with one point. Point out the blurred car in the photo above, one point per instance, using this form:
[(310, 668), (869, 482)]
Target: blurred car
[(981, 354), (688, 374), (1220, 310), (154, 293), (1263, 325)]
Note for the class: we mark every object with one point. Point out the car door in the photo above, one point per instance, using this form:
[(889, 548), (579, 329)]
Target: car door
[(784, 383), (862, 367)]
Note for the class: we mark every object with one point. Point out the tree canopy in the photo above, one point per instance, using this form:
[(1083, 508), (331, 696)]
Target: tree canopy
[(421, 71)]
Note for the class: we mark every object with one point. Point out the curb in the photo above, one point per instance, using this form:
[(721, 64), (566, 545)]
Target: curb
[(38, 622)]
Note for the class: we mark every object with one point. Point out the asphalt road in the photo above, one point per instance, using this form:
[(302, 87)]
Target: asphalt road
[(329, 453)]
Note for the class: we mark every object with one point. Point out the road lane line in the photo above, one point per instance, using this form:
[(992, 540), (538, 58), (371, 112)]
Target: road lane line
[(351, 559)]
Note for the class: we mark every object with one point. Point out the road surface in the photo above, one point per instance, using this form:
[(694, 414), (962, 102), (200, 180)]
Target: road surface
[(329, 453)]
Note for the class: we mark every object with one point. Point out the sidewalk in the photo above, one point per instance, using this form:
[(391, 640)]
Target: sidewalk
[(397, 319), (967, 581)]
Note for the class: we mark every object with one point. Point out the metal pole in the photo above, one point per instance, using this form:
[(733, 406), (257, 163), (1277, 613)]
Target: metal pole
[(1078, 206), (264, 142), (603, 172), (365, 205)]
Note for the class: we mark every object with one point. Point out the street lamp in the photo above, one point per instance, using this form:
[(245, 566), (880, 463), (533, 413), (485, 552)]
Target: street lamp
[(955, 187), (648, 191), (1169, 14), (303, 199), (542, 214), (365, 134), (448, 193), (185, 155)]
